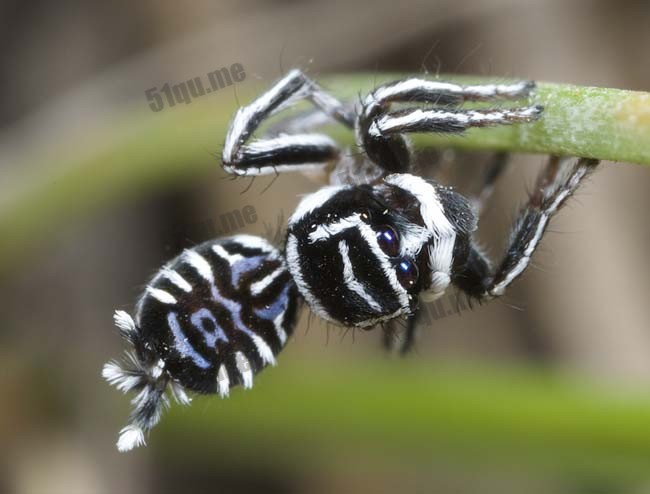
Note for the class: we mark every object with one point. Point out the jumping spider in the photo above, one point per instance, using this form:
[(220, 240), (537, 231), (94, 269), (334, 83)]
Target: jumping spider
[(360, 252)]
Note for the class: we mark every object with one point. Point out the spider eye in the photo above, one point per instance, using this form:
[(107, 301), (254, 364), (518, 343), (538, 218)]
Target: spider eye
[(388, 240), (407, 273)]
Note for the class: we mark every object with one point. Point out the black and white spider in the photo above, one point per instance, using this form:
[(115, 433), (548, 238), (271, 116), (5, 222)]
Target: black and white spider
[(360, 252)]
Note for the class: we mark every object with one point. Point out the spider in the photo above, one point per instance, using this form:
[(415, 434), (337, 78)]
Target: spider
[(360, 252)]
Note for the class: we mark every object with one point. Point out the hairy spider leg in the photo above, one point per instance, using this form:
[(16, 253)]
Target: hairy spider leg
[(379, 132), (400, 334), (490, 175), (557, 182), (283, 152)]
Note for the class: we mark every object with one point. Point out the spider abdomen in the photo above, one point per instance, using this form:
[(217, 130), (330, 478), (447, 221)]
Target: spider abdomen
[(219, 313)]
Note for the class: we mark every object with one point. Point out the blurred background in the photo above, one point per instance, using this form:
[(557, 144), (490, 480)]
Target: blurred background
[(546, 391)]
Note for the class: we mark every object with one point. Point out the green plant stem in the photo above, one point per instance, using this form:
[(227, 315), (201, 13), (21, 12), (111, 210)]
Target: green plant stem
[(143, 150), (607, 124)]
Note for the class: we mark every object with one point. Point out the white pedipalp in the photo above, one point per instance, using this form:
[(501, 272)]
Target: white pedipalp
[(441, 250)]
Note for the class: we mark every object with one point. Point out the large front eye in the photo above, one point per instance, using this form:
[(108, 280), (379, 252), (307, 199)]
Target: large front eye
[(388, 240), (407, 273)]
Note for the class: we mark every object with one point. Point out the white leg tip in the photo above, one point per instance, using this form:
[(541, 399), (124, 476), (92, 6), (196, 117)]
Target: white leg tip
[(131, 437)]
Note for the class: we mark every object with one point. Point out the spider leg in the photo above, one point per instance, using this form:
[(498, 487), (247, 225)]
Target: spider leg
[(491, 174), (557, 182), (282, 152), (415, 90), (399, 334), (379, 131), (449, 121)]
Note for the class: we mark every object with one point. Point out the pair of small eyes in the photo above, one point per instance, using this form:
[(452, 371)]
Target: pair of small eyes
[(389, 243)]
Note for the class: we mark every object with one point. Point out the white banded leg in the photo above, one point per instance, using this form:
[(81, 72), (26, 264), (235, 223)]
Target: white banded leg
[(415, 90), (559, 180), (449, 121), (379, 132), (555, 185), (282, 152)]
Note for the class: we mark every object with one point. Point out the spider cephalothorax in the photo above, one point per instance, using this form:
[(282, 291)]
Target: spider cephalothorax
[(361, 252)]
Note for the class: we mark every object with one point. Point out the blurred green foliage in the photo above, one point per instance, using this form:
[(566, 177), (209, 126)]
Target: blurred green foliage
[(408, 411)]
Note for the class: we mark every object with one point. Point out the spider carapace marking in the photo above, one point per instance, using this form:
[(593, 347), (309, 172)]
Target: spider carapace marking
[(361, 251), (385, 244)]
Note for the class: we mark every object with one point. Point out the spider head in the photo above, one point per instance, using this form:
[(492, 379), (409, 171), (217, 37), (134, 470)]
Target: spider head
[(364, 254)]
